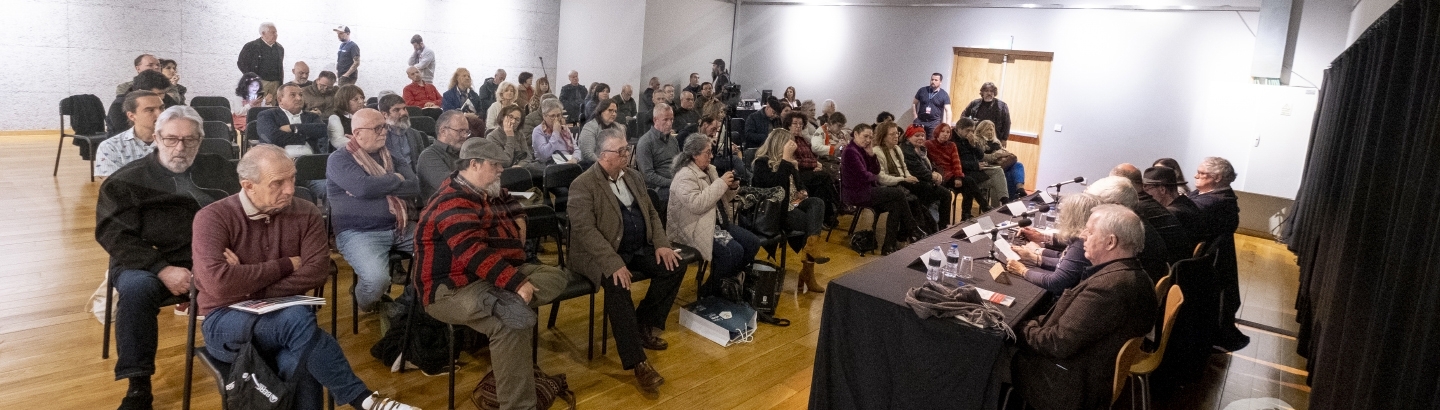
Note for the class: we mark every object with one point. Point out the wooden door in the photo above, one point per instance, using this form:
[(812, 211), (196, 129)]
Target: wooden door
[(1024, 81)]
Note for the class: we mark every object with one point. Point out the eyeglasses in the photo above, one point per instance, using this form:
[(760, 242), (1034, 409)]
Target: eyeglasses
[(464, 132), (173, 141), (555, 115), (622, 151), (378, 129)]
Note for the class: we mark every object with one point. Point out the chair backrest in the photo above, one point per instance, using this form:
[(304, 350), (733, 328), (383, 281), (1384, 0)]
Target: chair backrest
[(254, 113), (414, 111), (1128, 356), (540, 222), (217, 147), (211, 113), (87, 114), (252, 132), (560, 176), (210, 101), (304, 193), (1162, 286), (1151, 362), (632, 130), (423, 124), (517, 179), (311, 167), (218, 130)]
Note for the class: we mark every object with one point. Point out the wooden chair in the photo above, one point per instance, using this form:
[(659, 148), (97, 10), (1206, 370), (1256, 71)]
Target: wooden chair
[(1147, 363)]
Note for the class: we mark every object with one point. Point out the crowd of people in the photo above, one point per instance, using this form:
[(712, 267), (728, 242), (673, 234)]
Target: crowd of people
[(390, 187)]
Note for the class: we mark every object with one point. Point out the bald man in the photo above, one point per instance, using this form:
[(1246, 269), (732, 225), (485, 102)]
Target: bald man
[(301, 73), (370, 191)]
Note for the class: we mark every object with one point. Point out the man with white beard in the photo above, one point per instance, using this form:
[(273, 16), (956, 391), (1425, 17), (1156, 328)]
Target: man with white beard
[(472, 271)]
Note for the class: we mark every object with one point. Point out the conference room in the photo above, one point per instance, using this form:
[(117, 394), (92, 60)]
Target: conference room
[(988, 204)]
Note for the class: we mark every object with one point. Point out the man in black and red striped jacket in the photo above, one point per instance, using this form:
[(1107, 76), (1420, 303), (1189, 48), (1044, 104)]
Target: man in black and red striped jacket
[(472, 271)]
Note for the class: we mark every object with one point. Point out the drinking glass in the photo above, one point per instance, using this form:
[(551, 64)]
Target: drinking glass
[(966, 265)]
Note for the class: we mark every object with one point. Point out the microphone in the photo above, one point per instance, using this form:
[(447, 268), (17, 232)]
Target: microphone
[(1077, 180), (1043, 208), (1001, 227)]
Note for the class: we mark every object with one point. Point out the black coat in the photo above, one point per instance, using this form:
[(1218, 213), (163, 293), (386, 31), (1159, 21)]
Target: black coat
[(144, 223)]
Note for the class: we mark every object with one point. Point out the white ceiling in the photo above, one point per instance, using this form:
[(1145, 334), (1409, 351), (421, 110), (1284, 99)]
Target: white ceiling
[(1182, 5)]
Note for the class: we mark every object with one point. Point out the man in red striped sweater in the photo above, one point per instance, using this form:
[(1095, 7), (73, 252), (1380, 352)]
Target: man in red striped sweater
[(471, 249)]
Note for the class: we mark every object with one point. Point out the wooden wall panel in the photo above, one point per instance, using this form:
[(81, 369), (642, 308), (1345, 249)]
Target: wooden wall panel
[(1024, 86)]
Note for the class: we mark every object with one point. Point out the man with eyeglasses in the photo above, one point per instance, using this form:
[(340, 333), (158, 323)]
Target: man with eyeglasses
[(142, 219), (618, 235), (1220, 209), (438, 161), (370, 189)]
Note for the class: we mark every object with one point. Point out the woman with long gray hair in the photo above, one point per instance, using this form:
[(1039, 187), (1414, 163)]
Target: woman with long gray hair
[(697, 195), (1059, 259)]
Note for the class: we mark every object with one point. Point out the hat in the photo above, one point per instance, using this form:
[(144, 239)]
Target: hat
[(914, 129), (719, 62), (1161, 176), (416, 39), (343, 28), (481, 148)]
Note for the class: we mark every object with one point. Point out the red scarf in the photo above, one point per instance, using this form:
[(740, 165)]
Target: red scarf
[(396, 205)]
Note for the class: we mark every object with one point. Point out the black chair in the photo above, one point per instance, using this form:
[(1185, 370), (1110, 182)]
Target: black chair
[(217, 147), (311, 167), (632, 130), (220, 114), (432, 112), (210, 101), (557, 184), (737, 132), (219, 130), (517, 179), (252, 137), (423, 124), (254, 112), (87, 120)]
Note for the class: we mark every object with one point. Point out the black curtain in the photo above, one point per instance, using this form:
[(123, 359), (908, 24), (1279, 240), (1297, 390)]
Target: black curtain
[(1367, 221)]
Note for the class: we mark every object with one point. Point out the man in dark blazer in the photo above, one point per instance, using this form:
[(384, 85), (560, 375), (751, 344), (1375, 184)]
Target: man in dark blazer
[(1220, 210), (1067, 357), (618, 237), (759, 123), (289, 126)]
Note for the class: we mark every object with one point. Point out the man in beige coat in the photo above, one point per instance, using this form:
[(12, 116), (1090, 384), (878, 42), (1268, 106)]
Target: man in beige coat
[(617, 238)]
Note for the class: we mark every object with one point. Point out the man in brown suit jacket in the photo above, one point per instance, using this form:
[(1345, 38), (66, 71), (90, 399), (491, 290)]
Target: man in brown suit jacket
[(1067, 357), (617, 238)]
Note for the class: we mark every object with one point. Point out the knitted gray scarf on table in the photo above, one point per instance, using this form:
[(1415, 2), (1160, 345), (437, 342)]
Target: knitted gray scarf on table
[(964, 303)]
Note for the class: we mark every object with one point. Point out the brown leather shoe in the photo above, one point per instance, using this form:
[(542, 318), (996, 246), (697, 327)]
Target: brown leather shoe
[(649, 379), (650, 339)]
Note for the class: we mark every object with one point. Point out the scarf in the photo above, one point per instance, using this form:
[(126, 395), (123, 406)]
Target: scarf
[(963, 303), (890, 167), (396, 205)]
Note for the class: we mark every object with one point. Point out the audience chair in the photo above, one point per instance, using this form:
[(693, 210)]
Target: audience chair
[(217, 147), (254, 112), (633, 131), (109, 313), (432, 112), (1129, 355), (87, 121), (220, 114), (210, 101), (1147, 364), (413, 111), (557, 184), (543, 222), (517, 179), (252, 137), (304, 193), (219, 130), (423, 124), (310, 168), (399, 274)]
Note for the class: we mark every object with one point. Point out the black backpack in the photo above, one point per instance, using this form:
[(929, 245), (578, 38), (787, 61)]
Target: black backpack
[(252, 383)]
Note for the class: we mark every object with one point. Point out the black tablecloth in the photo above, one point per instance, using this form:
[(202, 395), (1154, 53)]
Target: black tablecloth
[(875, 353)]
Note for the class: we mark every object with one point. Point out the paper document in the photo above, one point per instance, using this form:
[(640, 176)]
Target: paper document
[(1017, 208), (1006, 253), (263, 306), (523, 194), (996, 298)]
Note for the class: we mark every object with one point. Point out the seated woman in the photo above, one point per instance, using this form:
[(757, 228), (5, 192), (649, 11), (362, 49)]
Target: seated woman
[(599, 94), (775, 166), (1059, 259), (509, 137), (996, 187), (552, 136), (506, 95), (603, 118), (895, 172), (808, 172), (460, 96), (349, 98), (972, 149), (696, 193), (859, 186), (251, 95)]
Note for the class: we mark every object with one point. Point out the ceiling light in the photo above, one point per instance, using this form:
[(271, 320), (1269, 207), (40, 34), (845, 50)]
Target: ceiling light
[(1029, 5)]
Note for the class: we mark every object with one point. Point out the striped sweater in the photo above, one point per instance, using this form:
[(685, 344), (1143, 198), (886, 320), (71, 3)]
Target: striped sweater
[(465, 237)]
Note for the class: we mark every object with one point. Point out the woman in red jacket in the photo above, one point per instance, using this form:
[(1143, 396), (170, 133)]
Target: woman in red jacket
[(943, 154)]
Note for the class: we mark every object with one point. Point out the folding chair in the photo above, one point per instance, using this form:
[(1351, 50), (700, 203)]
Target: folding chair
[(87, 120), (220, 114)]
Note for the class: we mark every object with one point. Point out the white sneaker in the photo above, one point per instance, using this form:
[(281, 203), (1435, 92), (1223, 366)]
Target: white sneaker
[(375, 402)]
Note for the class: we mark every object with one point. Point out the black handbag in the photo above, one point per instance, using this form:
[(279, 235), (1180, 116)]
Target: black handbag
[(762, 210), (863, 242), (763, 283), (252, 383)]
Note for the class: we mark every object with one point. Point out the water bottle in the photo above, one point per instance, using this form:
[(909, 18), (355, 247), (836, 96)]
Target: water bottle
[(951, 258), (932, 272)]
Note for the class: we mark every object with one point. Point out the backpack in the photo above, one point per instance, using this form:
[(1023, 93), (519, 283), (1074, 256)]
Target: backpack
[(252, 383), (547, 389), (428, 343)]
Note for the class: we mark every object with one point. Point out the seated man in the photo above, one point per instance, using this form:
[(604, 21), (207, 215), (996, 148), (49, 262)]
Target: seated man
[(687, 118), (141, 107), (289, 126), (438, 161), (370, 189), (1118, 191), (617, 233), (148, 80), (265, 243), (1178, 242), (472, 268), (142, 219), (1067, 357), (657, 149), (402, 140), (420, 93), (320, 95), (143, 62), (1160, 183)]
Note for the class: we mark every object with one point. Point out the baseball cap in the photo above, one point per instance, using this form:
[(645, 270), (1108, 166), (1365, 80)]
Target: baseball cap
[(343, 28)]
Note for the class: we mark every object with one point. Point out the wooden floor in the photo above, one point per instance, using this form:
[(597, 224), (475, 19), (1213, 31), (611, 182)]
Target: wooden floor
[(49, 342)]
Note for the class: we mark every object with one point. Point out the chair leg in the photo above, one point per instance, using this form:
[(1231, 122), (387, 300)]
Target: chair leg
[(354, 307), (535, 341), (604, 330), (59, 147), (92, 164), (189, 356), (109, 295), (554, 314), (334, 298), (450, 335), (700, 275), (590, 332)]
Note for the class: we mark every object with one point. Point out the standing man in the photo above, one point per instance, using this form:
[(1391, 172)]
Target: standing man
[(347, 62), (572, 97), (987, 107), (301, 73), (143, 221), (423, 59), (264, 57), (721, 78), (694, 86), (143, 62), (931, 105), (141, 108), (620, 236), (488, 92)]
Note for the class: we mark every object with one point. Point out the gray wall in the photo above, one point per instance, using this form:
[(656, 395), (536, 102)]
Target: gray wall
[(50, 49), (601, 39)]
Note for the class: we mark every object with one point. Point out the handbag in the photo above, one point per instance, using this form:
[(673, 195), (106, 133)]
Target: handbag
[(863, 242), (762, 210), (252, 384), (547, 389)]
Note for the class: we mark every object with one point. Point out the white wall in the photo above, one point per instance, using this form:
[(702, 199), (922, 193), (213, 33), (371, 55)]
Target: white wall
[(1323, 27), (683, 37), (50, 49), (1128, 86), (601, 39), (1364, 14)]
